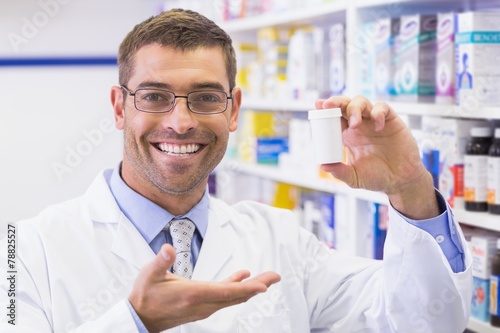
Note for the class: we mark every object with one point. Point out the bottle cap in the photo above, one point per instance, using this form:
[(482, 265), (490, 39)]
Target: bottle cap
[(481, 132), (324, 113)]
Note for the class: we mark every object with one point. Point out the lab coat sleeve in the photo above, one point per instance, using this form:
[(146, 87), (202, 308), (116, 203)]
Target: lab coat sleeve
[(423, 293), (412, 290), (116, 319), (32, 313), (28, 315)]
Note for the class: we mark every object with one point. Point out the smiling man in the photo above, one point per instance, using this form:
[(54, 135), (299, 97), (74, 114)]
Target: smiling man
[(147, 249), (181, 132)]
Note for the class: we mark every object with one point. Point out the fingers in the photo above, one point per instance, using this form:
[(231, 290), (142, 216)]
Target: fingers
[(238, 276), (235, 290), (256, 285), (360, 108), (333, 102), (268, 278)]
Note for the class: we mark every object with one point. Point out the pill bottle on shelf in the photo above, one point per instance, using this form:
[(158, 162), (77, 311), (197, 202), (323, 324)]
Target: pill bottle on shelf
[(475, 169), (493, 186)]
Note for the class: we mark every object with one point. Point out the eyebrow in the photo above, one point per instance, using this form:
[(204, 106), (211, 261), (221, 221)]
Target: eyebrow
[(207, 85), (154, 84), (195, 86)]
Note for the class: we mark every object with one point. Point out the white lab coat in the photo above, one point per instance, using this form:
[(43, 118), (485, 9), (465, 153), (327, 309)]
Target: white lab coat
[(77, 261)]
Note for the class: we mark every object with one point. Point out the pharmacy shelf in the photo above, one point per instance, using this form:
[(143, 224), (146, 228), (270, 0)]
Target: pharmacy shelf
[(478, 219), (301, 180), (481, 327), (418, 109), (322, 13), (475, 219), (361, 4), (446, 110), (289, 105), (298, 16), (400, 7)]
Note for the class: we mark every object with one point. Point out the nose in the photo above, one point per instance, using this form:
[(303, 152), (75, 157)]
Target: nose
[(180, 119)]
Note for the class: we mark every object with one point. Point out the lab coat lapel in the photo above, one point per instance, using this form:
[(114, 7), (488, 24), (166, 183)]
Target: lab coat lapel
[(127, 242), (218, 244)]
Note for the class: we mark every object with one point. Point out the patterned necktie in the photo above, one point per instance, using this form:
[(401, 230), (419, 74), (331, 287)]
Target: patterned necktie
[(182, 231)]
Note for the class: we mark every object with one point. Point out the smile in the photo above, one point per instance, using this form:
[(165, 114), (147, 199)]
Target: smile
[(180, 150)]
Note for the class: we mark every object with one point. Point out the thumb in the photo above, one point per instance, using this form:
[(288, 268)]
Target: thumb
[(163, 261), (342, 172)]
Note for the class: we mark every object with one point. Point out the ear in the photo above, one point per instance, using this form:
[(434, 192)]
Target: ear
[(117, 103), (235, 109)]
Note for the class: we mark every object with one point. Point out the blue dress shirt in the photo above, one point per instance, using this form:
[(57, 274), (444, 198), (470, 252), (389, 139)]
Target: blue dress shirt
[(150, 219)]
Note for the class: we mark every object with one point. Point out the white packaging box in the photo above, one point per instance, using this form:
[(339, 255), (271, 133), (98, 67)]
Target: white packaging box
[(477, 43), (336, 73), (483, 248), (384, 56), (445, 59), (300, 157), (416, 66), (300, 64), (366, 69), (452, 141)]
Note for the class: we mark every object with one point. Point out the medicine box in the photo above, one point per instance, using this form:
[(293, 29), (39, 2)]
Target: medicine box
[(385, 35), (483, 248), (327, 229), (366, 68), (416, 66), (445, 58), (269, 149), (336, 76), (477, 43)]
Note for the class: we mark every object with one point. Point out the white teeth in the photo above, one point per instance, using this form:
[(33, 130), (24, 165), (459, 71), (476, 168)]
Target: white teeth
[(181, 150)]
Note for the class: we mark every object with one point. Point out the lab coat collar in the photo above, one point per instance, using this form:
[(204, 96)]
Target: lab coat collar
[(104, 209), (101, 202)]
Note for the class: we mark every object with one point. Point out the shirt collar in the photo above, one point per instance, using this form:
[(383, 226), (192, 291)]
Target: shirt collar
[(148, 217)]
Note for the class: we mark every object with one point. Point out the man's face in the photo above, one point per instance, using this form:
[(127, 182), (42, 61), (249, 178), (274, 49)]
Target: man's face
[(174, 152)]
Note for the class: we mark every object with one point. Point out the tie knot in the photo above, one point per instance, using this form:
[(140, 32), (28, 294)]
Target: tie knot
[(182, 230)]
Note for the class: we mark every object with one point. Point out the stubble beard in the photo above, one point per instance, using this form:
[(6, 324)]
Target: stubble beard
[(146, 169)]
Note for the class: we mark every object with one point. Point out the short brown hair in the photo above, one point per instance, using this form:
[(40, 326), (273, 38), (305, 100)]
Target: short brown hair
[(181, 29)]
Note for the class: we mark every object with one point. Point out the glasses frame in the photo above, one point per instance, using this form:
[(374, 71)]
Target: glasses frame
[(133, 93)]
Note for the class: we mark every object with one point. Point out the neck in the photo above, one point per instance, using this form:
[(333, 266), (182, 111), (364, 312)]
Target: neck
[(178, 204), (174, 203)]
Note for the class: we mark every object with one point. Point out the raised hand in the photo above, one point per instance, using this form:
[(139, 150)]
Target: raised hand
[(382, 156)]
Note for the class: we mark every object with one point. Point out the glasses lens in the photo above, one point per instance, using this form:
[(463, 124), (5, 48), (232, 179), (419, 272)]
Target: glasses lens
[(207, 101), (153, 100)]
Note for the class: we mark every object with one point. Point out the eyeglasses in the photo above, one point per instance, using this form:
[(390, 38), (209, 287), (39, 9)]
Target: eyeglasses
[(159, 100)]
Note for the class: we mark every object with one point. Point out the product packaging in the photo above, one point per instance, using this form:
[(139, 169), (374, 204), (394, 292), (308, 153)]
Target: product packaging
[(417, 58), (477, 47), (483, 249), (445, 63)]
